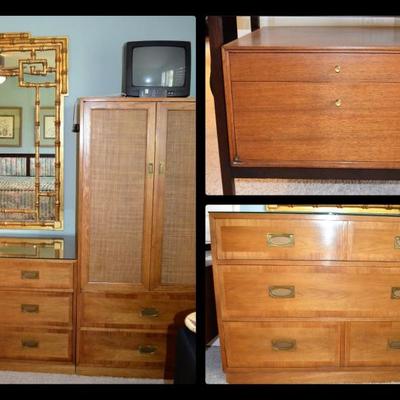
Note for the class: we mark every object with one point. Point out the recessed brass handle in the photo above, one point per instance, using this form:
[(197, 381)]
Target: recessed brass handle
[(280, 239), (395, 293), (31, 343), (337, 69), (394, 344), (397, 242), (29, 274), (30, 308), (338, 102), (284, 292), (283, 344), (147, 349), (150, 168), (161, 168), (149, 312)]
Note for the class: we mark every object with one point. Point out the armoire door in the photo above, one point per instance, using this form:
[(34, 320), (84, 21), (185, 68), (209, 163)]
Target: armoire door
[(115, 194), (174, 212)]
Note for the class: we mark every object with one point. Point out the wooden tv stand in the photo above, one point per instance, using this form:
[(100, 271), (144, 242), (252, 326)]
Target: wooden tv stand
[(313, 102)]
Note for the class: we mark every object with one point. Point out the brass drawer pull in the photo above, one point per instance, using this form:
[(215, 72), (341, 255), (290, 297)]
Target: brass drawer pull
[(147, 349), (30, 308), (337, 69), (29, 274), (280, 239), (338, 102), (31, 343), (397, 242), (394, 344), (395, 293), (150, 312), (284, 344), (284, 292)]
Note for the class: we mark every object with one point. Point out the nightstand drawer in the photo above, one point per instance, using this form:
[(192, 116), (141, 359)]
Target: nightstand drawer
[(124, 349), (281, 344), (310, 123), (374, 240), (373, 344), (335, 67), (277, 239), (125, 311), (34, 274), (253, 291), (36, 344), (34, 308)]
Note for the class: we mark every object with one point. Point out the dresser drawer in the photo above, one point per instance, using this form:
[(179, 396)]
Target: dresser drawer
[(279, 238), (288, 123), (253, 291), (373, 344), (126, 311), (36, 274), (281, 344), (335, 67), (124, 349), (374, 241), (28, 308), (36, 344)]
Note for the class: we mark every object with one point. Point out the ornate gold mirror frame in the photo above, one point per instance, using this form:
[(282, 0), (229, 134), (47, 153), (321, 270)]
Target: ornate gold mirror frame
[(38, 66), (390, 209)]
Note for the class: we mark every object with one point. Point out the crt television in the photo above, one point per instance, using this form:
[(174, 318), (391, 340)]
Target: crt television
[(157, 69)]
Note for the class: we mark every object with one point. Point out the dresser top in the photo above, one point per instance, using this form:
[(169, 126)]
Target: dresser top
[(319, 38)]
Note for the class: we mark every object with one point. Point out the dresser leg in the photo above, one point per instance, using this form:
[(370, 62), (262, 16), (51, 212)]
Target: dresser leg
[(221, 30)]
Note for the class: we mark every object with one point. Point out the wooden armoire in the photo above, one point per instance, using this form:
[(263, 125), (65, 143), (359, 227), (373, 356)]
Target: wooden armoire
[(136, 233)]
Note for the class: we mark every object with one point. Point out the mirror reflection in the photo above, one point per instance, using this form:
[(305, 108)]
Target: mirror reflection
[(30, 135)]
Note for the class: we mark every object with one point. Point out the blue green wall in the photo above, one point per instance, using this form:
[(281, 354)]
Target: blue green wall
[(95, 67)]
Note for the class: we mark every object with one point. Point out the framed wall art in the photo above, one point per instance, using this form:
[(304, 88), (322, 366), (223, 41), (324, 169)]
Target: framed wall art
[(10, 126), (47, 126)]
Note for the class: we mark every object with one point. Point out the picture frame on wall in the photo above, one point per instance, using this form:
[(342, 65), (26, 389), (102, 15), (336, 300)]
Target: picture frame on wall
[(47, 117), (10, 126)]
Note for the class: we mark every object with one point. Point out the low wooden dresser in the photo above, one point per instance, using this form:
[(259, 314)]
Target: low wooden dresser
[(313, 102), (37, 296), (307, 297)]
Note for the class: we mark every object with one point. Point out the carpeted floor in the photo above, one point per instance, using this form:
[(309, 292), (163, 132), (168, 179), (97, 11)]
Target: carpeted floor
[(278, 186), (11, 377), (214, 373)]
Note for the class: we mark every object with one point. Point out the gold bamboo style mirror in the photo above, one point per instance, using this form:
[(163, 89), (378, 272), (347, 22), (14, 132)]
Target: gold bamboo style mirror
[(33, 83)]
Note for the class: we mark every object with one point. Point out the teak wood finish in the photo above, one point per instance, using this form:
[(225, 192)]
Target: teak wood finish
[(38, 315), (136, 223), (310, 102), (305, 298)]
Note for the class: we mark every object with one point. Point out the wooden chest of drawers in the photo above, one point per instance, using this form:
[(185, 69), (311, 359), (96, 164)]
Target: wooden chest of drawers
[(307, 298), (37, 316), (313, 102)]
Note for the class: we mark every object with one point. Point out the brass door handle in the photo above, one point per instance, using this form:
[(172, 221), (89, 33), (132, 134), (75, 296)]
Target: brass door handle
[(280, 239), (29, 274), (31, 343), (397, 242), (394, 344), (150, 168), (161, 168), (284, 292), (30, 308), (147, 349), (395, 293), (283, 344), (149, 312)]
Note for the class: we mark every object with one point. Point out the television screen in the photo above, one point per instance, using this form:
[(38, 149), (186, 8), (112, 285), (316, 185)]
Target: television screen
[(161, 66)]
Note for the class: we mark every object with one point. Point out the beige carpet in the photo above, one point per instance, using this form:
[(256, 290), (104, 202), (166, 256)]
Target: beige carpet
[(278, 186), (11, 377)]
